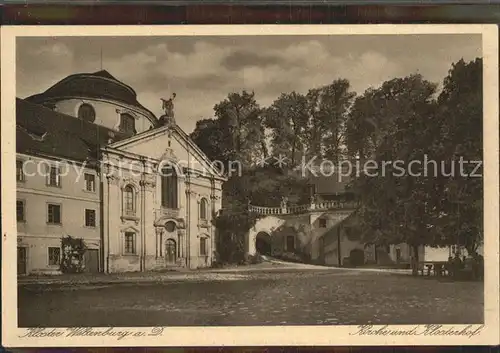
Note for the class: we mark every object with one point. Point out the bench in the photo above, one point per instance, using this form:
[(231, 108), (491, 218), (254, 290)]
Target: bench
[(437, 268)]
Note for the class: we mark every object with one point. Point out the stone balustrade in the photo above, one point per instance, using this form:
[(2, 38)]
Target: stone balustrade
[(320, 206)]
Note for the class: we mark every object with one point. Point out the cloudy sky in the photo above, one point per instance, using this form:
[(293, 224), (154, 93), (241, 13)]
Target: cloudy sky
[(203, 70)]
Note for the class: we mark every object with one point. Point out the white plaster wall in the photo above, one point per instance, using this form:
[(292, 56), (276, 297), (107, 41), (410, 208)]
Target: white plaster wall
[(199, 187), (267, 225), (35, 232), (106, 112)]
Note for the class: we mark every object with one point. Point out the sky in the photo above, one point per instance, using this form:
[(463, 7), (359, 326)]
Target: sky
[(202, 71)]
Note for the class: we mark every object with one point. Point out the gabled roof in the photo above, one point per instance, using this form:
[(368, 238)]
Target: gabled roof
[(98, 85), (42, 131), (192, 146)]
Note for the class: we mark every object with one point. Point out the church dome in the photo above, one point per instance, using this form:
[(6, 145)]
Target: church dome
[(99, 85)]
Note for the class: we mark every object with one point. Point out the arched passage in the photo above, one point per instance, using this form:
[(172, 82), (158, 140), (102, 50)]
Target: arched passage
[(263, 243)]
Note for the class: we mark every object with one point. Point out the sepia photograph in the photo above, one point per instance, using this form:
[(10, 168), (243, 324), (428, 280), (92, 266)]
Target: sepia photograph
[(266, 180)]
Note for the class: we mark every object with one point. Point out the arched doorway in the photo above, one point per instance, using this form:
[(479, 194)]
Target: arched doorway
[(170, 252), (263, 243), (357, 257)]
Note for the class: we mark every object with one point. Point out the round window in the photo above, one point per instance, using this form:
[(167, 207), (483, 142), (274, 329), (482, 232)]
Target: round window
[(170, 227), (86, 112)]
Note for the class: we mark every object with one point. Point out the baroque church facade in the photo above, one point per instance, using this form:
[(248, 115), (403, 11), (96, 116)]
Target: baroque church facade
[(95, 164)]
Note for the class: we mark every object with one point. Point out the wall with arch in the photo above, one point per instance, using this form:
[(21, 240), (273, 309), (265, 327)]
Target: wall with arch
[(305, 229)]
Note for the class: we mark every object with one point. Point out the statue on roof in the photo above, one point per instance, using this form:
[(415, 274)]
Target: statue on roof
[(168, 106)]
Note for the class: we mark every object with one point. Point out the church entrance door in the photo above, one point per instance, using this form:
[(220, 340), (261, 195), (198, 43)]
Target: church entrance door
[(170, 252)]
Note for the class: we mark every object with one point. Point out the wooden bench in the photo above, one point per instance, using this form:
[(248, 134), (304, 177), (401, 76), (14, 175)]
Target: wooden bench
[(437, 268)]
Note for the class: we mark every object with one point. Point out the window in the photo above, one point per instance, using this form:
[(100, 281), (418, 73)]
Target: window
[(90, 182), (54, 214), (204, 209), (19, 170), (54, 177), (170, 227), (203, 246), (129, 243), (86, 112), (89, 218), (322, 222), (290, 243), (54, 256), (128, 200), (20, 210), (169, 188), (127, 123)]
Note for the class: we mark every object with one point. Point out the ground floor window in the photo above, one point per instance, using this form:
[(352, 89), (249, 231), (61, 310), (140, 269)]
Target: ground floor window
[(130, 247), (203, 246), (54, 256)]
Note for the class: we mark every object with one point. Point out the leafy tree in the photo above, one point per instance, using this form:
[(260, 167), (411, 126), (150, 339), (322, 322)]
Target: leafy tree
[(403, 121), (394, 205), (461, 139), (328, 108), (242, 131), (288, 118), (208, 136)]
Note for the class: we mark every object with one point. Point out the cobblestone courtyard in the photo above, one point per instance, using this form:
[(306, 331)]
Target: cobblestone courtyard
[(264, 298)]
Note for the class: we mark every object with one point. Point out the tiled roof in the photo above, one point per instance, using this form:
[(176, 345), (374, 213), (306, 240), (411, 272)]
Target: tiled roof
[(99, 84), (42, 131)]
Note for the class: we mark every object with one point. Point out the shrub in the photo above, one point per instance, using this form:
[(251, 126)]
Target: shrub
[(73, 250)]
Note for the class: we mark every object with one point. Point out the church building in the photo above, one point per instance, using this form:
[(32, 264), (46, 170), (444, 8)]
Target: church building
[(94, 164)]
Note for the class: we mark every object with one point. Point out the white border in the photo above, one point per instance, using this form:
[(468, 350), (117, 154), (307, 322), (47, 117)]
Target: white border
[(267, 335)]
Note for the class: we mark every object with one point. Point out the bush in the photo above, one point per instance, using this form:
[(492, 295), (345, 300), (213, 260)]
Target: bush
[(73, 250)]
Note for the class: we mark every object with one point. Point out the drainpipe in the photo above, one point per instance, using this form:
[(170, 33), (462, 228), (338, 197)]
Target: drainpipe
[(188, 209), (338, 246), (211, 213), (101, 216), (107, 224), (143, 215), (188, 224)]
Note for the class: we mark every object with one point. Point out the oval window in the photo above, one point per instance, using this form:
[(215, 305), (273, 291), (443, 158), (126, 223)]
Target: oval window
[(170, 227), (86, 112)]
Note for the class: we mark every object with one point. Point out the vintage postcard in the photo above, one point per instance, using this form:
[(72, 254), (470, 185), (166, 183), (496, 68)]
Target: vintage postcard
[(250, 185)]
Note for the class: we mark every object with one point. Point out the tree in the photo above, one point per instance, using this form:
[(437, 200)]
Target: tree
[(287, 118), (328, 108), (432, 205), (378, 112), (241, 126), (394, 206), (461, 139), (209, 138)]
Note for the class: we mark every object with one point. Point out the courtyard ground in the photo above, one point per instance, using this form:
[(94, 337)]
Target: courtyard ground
[(288, 296)]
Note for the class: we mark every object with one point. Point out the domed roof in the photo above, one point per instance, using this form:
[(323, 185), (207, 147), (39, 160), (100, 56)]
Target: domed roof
[(100, 84)]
